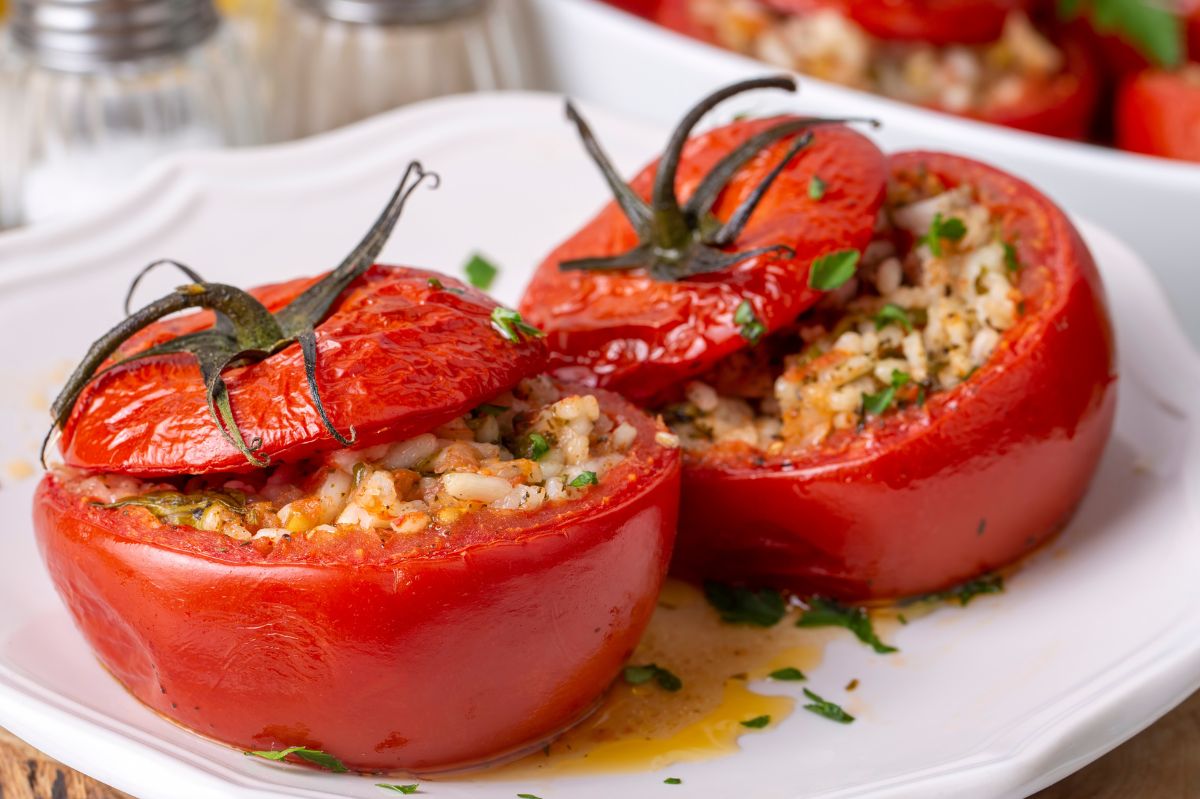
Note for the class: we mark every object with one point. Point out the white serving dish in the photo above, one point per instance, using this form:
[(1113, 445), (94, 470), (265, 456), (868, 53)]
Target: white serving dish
[(1097, 637), (596, 53)]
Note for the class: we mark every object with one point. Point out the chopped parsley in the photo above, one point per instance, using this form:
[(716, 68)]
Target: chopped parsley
[(816, 188), (752, 328), (740, 605), (527, 796), (673, 781), (788, 674), (404, 789), (316, 756), (1011, 263), (963, 594), (756, 723), (434, 283), (509, 324), (1154, 29), (536, 446), (940, 230), (480, 272), (893, 313), (832, 270), (584, 479), (829, 710), (824, 612), (639, 675), (875, 404)]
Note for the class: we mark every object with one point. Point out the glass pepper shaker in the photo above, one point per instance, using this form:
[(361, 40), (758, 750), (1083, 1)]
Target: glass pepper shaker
[(93, 90), (339, 61)]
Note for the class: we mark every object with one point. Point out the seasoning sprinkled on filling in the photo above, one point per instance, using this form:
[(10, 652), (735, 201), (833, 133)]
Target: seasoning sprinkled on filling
[(523, 449), (828, 45), (907, 325)]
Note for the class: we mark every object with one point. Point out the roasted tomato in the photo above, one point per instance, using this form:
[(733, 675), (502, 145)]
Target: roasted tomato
[(936, 418), (652, 290), (456, 588), (932, 21), (1158, 113)]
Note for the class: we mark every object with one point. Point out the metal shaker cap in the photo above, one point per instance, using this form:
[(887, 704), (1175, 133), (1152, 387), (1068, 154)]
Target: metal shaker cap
[(83, 35), (393, 12)]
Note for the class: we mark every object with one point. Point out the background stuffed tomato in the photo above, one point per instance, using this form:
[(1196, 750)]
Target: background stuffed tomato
[(932, 496), (401, 659)]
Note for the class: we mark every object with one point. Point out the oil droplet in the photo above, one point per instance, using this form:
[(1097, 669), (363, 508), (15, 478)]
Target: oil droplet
[(19, 469), (643, 727)]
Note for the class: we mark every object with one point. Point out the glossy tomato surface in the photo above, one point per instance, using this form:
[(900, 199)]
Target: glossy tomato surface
[(932, 21), (928, 497), (1158, 113), (640, 336), (385, 656), (397, 356)]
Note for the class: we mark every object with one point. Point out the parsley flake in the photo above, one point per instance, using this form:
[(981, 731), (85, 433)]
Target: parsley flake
[(584, 479), (816, 188), (941, 229), (829, 710), (875, 404), (509, 324), (832, 270), (824, 612), (752, 328), (316, 756), (639, 675), (1155, 29), (1011, 263), (434, 283), (673, 781), (893, 313), (404, 789), (756, 723), (536, 446), (527, 796), (788, 673), (480, 272), (963, 594), (740, 605)]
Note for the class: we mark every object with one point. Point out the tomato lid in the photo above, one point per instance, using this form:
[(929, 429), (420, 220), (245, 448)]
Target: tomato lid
[(931, 21), (360, 355), (654, 290)]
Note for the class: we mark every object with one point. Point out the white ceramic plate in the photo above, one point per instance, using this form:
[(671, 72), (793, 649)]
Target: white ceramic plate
[(1096, 638), (597, 53)]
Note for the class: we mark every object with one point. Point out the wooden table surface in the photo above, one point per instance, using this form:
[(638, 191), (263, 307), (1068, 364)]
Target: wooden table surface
[(1162, 762)]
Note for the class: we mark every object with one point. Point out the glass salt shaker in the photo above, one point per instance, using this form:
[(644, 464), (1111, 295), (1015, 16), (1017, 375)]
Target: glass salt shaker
[(339, 61), (93, 90)]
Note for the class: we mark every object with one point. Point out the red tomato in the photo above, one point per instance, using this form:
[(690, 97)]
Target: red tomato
[(930, 496), (1158, 113), (932, 21), (641, 336), (397, 657), (398, 356)]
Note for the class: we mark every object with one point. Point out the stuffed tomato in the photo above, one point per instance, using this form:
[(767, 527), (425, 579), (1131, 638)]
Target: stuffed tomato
[(982, 59), (1158, 113), (372, 531)]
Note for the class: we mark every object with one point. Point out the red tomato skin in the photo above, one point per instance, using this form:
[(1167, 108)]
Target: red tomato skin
[(1158, 113), (630, 333), (933, 496), (933, 21), (396, 357), (421, 663)]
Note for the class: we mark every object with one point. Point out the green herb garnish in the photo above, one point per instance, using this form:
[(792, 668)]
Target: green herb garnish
[(536, 446), (963, 594), (829, 710), (527, 796), (322, 759), (816, 188), (756, 723), (824, 612), (434, 283), (752, 328), (1010, 258), (832, 270), (584, 479), (1156, 30), (876, 404), (673, 781), (480, 272), (893, 313), (940, 229), (740, 605), (639, 675), (788, 674), (509, 324), (404, 789)]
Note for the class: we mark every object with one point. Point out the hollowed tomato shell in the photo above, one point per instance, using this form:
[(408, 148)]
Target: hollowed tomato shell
[(931, 496), (633, 334), (1158, 113), (393, 659), (397, 356)]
